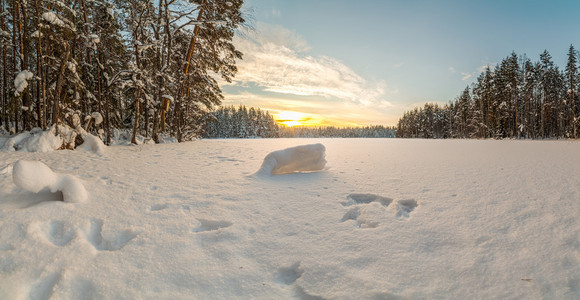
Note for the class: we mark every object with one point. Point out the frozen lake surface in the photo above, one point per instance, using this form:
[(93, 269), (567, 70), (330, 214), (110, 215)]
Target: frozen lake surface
[(386, 218)]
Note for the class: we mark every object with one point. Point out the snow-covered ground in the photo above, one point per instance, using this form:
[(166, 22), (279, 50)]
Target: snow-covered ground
[(385, 218)]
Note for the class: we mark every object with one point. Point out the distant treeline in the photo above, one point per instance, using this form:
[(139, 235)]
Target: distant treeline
[(377, 131), (241, 122), (516, 99), (231, 122)]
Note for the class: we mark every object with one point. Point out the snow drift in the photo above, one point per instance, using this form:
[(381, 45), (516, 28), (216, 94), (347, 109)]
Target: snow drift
[(35, 140), (305, 158), (35, 176)]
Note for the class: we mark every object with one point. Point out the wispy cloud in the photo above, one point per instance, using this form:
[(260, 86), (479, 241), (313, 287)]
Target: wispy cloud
[(465, 76), (451, 69), (275, 60), (396, 66), (483, 67)]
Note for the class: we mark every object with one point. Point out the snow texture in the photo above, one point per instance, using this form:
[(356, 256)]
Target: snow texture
[(21, 82), (305, 158), (35, 176), (392, 219)]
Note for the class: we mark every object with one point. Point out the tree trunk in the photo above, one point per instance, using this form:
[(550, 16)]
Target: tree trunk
[(39, 95), (15, 106), (136, 121), (4, 72), (178, 105), (59, 83)]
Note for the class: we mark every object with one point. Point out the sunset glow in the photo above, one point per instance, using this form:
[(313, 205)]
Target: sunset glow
[(294, 118)]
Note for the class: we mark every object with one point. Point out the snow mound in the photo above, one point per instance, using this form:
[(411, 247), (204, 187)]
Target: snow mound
[(34, 141), (35, 176), (92, 143), (305, 158)]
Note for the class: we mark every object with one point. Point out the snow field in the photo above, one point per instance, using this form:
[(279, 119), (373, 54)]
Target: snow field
[(385, 219)]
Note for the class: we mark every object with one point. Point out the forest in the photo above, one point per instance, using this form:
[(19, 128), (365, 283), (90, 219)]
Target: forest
[(142, 65), (516, 99), (241, 122)]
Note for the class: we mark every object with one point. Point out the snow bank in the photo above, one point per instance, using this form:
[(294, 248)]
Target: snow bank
[(38, 140), (35, 176), (21, 82), (44, 141), (35, 140), (305, 158)]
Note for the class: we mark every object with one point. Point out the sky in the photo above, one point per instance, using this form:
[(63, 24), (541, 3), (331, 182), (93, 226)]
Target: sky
[(366, 62)]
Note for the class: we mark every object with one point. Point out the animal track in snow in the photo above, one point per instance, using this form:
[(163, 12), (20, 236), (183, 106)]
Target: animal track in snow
[(109, 242), (211, 225), (362, 220), (355, 198), (289, 275), (405, 207), (363, 212), (58, 233), (44, 287), (351, 214), (365, 209), (157, 207)]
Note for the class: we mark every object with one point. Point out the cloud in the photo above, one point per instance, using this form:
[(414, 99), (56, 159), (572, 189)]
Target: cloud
[(451, 69), (396, 66), (276, 60), (465, 76)]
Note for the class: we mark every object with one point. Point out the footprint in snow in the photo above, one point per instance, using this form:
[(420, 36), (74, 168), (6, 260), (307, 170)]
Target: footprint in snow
[(111, 241), (43, 288), (361, 219), (59, 233), (55, 232), (364, 213), (211, 225), (289, 275), (355, 198), (158, 207), (405, 207)]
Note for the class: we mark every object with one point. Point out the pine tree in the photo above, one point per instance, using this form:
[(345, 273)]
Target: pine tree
[(571, 75)]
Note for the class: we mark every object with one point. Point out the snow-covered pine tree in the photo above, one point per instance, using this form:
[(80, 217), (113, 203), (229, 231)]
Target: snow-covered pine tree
[(571, 76)]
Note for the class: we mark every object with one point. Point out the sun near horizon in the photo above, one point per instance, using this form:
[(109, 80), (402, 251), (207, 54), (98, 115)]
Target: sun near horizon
[(294, 118), (291, 119)]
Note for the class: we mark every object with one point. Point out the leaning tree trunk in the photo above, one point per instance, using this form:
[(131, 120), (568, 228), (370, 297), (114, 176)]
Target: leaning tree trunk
[(179, 119)]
